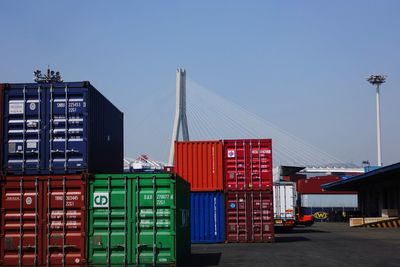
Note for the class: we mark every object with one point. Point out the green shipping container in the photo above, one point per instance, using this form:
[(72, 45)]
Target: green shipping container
[(138, 219)]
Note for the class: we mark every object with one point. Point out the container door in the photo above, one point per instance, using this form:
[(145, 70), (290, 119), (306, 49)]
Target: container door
[(207, 217), (155, 227), (110, 221), (260, 163), (235, 165), (65, 222), (201, 164), (236, 217), (261, 227), (22, 237), (249, 217), (23, 128), (67, 129)]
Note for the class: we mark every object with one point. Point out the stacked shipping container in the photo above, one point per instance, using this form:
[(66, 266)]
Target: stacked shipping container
[(60, 128), (201, 164), (248, 165), (207, 217), (43, 220), (240, 168), (58, 209), (53, 136), (138, 220), (248, 184)]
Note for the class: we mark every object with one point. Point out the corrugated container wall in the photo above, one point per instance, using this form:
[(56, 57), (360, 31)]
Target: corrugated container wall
[(248, 164), (1, 125), (138, 219), (207, 214), (249, 216), (43, 221), (201, 164), (60, 128)]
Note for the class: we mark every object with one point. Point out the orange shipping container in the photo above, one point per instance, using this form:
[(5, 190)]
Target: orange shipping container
[(201, 164)]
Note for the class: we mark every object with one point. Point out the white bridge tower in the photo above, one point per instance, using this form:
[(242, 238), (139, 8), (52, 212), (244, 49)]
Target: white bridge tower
[(180, 113)]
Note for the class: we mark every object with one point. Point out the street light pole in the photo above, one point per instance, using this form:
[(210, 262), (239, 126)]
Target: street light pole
[(378, 80)]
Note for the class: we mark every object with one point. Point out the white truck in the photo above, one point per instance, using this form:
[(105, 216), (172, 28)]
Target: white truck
[(284, 204)]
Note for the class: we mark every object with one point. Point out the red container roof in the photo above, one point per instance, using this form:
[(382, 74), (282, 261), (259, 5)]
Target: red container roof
[(249, 216)]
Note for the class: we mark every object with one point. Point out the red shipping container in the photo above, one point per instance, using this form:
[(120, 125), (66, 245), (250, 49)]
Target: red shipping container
[(249, 216), (43, 221), (313, 185), (248, 164), (201, 164)]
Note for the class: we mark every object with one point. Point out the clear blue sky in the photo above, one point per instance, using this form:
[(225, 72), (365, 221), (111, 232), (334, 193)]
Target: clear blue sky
[(299, 64)]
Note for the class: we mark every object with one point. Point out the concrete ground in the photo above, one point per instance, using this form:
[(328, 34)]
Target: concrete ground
[(323, 244)]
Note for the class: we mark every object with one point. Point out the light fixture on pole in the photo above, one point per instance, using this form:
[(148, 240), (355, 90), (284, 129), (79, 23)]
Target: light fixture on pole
[(378, 80)]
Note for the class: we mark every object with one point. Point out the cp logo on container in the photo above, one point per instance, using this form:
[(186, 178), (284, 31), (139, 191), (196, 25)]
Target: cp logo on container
[(100, 200)]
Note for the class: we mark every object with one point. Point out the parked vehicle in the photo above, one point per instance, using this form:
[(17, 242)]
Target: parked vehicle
[(249, 216), (303, 219), (284, 204)]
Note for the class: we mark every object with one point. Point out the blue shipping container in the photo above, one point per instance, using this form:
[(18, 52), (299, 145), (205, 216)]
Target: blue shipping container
[(207, 212), (60, 128)]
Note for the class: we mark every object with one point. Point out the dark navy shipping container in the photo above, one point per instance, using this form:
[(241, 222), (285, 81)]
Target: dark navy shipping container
[(60, 128), (207, 213)]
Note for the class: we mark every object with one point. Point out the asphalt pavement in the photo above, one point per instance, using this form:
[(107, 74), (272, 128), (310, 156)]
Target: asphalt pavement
[(323, 244)]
